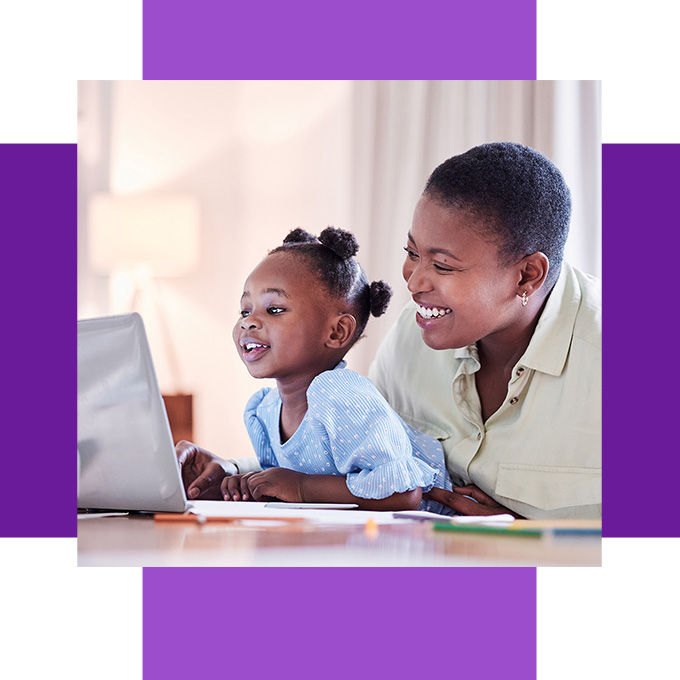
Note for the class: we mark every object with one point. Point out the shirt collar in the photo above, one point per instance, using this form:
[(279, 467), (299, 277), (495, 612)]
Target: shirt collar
[(469, 357), (549, 346)]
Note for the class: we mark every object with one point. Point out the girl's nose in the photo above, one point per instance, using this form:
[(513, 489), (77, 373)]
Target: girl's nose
[(250, 321)]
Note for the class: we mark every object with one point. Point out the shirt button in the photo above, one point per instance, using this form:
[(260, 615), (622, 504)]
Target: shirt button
[(519, 372), (479, 436), (514, 400)]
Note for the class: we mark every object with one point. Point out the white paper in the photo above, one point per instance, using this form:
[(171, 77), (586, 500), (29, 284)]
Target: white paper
[(253, 509), (500, 520), (491, 520)]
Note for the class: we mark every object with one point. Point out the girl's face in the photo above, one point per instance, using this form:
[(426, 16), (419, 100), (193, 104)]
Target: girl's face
[(465, 294), (285, 321)]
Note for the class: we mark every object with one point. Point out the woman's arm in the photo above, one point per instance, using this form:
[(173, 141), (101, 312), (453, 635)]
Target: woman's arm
[(202, 471), (297, 487)]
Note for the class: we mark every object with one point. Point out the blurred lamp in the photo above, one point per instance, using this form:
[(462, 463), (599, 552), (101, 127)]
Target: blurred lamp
[(157, 234), (133, 239)]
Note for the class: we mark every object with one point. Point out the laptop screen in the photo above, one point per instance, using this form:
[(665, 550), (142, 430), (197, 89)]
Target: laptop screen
[(126, 455)]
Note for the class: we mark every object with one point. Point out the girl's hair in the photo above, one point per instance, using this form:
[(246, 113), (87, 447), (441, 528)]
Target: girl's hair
[(330, 257)]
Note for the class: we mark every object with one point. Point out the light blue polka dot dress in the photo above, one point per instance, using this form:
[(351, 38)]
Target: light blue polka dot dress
[(349, 429)]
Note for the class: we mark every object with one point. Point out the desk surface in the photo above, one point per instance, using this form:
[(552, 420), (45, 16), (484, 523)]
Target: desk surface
[(140, 541)]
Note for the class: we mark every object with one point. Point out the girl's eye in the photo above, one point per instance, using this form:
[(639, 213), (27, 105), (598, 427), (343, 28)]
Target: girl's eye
[(244, 313), (275, 310), (412, 255)]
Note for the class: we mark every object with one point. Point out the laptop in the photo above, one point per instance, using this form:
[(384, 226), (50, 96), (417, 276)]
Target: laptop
[(127, 458)]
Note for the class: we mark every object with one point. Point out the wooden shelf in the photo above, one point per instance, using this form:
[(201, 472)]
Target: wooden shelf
[(180, 416)]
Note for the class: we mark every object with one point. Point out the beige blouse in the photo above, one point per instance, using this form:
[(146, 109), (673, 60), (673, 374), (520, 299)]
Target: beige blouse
[(540, 454)]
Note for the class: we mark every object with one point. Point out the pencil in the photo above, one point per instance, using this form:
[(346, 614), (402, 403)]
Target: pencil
[(201, 519), (482, 529)]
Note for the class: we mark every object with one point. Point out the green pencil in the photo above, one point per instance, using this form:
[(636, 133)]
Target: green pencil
[(482, 529)]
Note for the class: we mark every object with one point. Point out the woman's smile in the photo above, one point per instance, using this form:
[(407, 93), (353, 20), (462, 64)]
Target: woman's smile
[(426, 312), (427, 317)]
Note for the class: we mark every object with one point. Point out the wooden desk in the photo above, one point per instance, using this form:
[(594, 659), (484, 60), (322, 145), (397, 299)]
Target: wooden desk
[(140, 541)]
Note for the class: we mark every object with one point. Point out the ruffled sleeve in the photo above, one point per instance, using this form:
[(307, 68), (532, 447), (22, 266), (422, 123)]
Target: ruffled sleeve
[(368, 441), (257, 430)]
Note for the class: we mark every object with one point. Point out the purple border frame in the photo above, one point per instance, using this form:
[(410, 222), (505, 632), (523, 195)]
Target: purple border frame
[(367, 39), (641, 233), (337, 623), (39, 338)]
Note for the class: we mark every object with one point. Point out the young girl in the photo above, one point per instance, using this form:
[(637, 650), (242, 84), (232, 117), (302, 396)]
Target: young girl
[(324, 434)]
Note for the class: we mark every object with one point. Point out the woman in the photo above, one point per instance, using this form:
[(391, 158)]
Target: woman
[(503, 339), (499, 354)]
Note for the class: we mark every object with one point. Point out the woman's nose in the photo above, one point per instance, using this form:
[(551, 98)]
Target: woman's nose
[(416, 278)]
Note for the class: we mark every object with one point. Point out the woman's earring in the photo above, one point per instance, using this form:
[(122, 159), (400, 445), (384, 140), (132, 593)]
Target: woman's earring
[(524, 299)]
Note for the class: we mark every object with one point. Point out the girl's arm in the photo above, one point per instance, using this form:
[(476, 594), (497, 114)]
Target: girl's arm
[(297, 487)]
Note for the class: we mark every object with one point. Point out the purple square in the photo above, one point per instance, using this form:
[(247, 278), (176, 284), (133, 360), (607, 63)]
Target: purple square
[(39, 338), (306, 39), (338, 623), (641, 460)]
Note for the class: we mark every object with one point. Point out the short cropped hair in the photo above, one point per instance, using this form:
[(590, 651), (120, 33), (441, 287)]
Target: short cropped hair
[(520, 198)]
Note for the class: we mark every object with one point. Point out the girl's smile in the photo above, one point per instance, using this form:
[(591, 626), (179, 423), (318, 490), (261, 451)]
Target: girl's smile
[(252, 350)]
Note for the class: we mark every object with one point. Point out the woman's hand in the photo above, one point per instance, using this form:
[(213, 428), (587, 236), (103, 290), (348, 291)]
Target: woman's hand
[(202, 471), (276, 483), (456, 500)]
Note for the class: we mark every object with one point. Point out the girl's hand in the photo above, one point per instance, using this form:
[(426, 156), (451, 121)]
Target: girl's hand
[(456, 499), (280, 483), (235, 488)]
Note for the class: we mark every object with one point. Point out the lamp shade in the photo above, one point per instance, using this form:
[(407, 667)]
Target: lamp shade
[(157, 233)]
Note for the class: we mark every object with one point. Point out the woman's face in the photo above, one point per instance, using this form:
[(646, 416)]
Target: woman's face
[(464, 292)]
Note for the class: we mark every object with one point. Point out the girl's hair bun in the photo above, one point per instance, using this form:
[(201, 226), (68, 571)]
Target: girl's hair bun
[(299, 236), (380, 294), (341, 242)]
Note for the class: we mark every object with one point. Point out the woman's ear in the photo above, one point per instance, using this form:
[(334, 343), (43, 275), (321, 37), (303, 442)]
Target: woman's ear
[(534, 269), (342, 332)]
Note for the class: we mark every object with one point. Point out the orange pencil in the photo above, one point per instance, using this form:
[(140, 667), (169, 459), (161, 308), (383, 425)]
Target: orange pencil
[(202, 519)]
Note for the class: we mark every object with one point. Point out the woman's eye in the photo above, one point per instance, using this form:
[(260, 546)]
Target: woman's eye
[(244, 313), (441, 268), (411, 253), (275, 310)]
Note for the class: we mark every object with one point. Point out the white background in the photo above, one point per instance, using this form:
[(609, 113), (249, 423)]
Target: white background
[(617, 622)]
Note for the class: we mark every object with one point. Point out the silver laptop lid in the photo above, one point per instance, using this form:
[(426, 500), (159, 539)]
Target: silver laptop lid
[(127, 458)]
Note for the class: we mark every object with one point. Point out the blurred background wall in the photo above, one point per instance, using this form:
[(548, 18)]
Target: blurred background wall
[(257, 159)]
